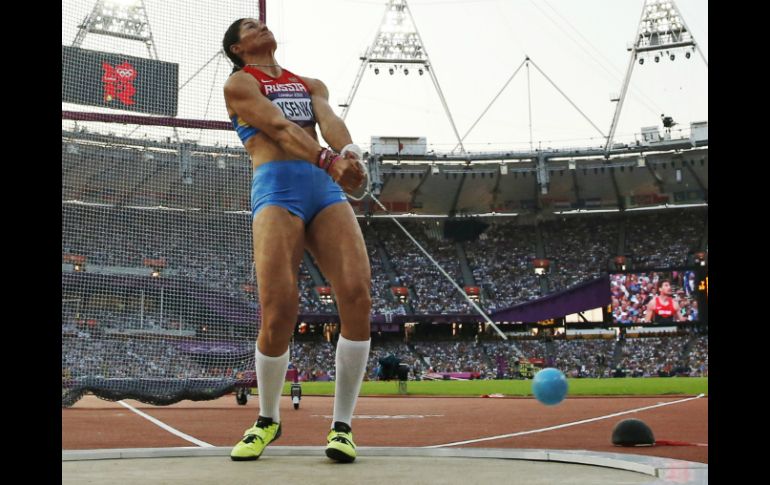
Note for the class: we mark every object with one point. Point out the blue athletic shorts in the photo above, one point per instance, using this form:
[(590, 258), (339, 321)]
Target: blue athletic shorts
[(296, 185)]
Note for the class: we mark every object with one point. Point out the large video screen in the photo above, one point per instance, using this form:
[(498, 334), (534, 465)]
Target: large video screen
[(654, 297), (118, 81)]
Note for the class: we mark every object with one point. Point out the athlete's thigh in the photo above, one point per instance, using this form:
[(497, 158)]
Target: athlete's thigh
[(335, 240), (278, 239)]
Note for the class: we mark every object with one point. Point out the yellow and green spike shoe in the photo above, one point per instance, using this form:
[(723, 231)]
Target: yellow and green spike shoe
[(256, 439), (340, 445)]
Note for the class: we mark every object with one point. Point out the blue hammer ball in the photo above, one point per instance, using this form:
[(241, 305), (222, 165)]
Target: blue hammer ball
[(549, 386)]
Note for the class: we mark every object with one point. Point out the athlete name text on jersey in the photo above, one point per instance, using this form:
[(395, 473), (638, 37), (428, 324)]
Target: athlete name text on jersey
[(295, 109)]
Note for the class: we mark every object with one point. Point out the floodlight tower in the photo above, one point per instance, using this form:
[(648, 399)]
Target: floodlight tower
[(398, 47), (661, 30), (125, 19)]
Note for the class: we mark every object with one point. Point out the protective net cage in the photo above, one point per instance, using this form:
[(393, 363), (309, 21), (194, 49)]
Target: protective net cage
[(158, 289)]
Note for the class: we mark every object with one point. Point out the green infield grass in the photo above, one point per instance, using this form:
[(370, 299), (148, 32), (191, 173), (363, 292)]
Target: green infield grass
[(649, 386)]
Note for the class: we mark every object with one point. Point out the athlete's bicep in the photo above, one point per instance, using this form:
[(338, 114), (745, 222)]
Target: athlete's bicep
[(243, 96), (319, 94)]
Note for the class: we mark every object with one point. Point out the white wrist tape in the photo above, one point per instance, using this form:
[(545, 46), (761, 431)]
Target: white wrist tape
[(354, 149)]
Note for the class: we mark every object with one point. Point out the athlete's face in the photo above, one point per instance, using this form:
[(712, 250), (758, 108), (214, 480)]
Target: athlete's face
[(665, 288), (255, 33)]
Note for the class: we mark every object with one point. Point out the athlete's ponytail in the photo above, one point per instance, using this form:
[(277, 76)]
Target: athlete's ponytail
[(233, 35)]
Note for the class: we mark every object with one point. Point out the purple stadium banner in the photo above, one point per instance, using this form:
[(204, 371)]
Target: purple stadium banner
[(579, 298)]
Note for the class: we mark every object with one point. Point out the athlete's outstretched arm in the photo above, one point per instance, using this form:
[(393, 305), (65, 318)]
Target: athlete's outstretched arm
[(244, 97), (333, 129)]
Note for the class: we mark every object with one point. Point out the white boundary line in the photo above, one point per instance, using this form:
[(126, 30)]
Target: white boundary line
[(166, 427), (566, 425)]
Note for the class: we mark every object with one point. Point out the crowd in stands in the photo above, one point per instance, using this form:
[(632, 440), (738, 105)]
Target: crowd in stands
[(584, 358), (84, 354), (501, 262), (579, 248), (654, 356), (311, 359), (216, 251), (664, 239), (434, 293), (463, 356), (309, 300), (698, 357), (383, 299)]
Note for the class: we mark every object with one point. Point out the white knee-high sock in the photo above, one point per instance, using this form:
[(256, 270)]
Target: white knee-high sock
[(271, 372), (350, 363)]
